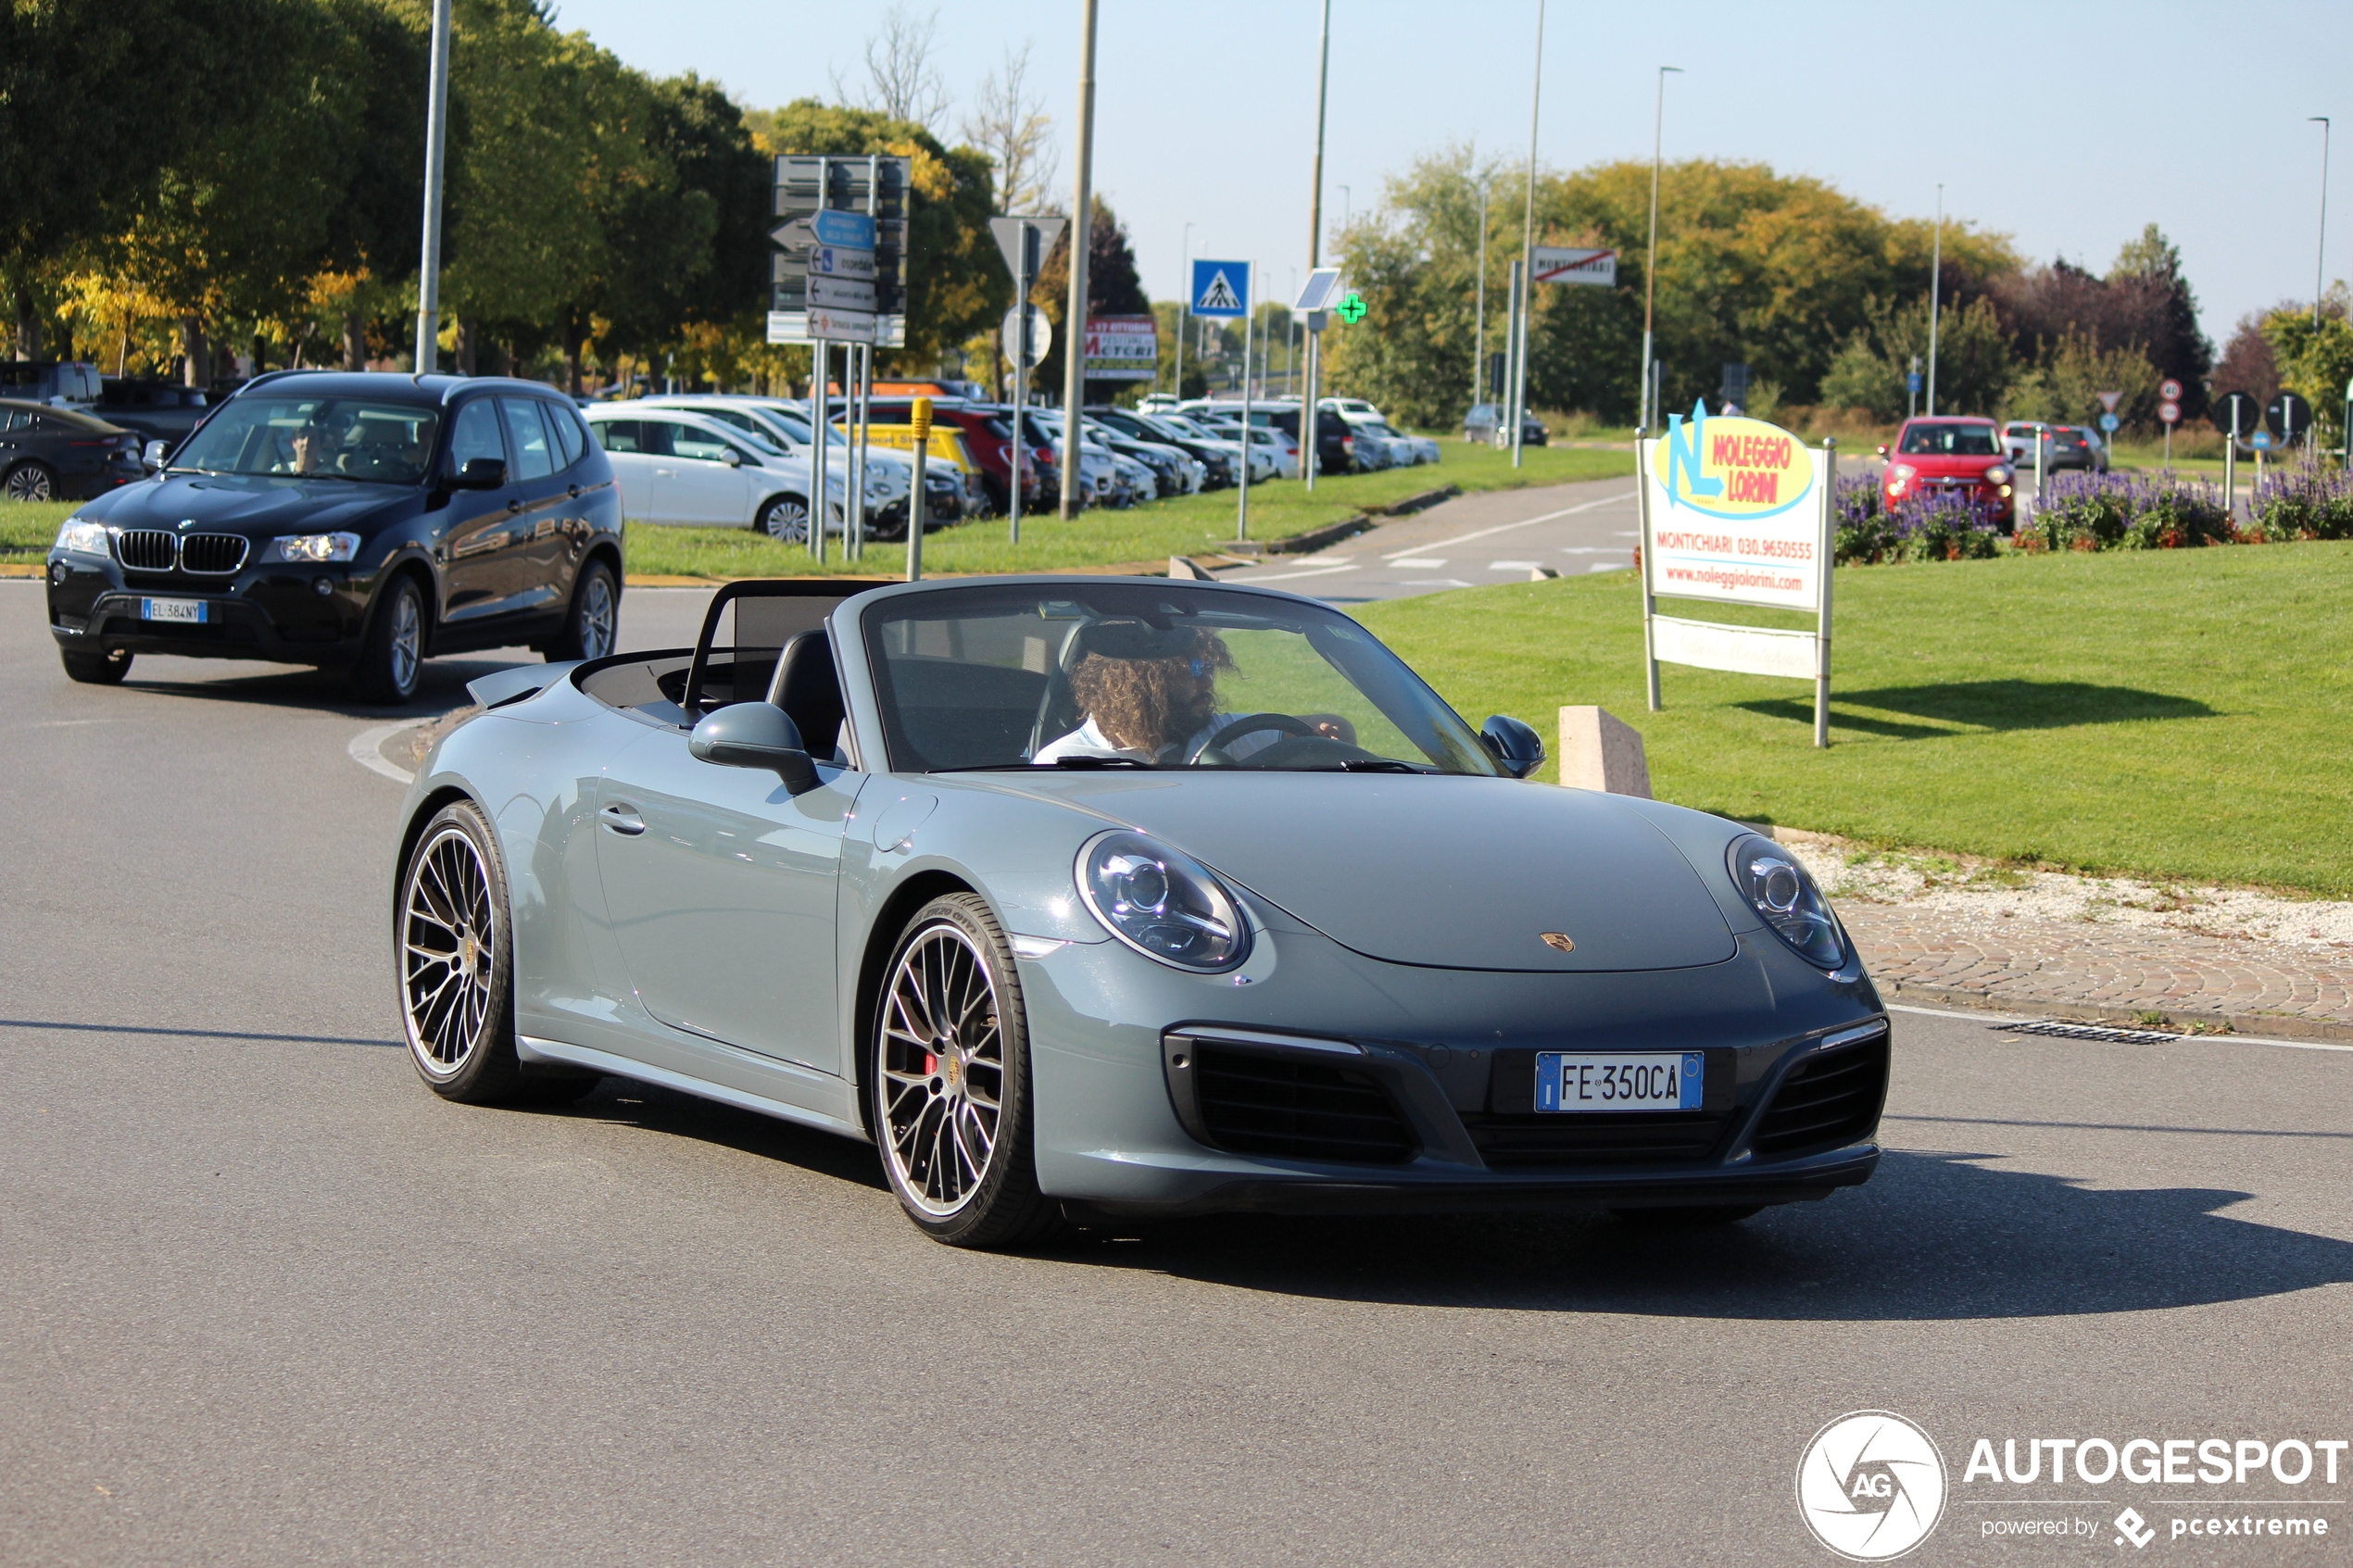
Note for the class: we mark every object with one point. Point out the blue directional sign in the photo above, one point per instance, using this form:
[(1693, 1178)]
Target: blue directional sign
[(1221, 288), (1912, 382), (851, 230), (2108, 423)]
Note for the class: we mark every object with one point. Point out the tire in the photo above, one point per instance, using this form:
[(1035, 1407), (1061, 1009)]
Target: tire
[(452, 961), (939, 1084), (30, 481), (392, 655), (593, 625), (96, 668), (1690, 1218), (784, 518)]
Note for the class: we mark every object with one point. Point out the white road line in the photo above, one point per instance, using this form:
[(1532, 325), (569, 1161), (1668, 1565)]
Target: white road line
[(1417, 563), (1287, 576), (1513, 565), (1995, 1019), (367, 750), (1609, 566), (1524, 522)]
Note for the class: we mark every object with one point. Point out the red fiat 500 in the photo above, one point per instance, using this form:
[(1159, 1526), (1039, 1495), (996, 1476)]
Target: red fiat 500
[(1950, 455)]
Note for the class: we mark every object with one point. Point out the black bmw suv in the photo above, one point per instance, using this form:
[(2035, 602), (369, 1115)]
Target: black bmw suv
[(367, 521)]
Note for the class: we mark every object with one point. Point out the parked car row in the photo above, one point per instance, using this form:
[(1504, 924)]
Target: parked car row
[(1489, 424)]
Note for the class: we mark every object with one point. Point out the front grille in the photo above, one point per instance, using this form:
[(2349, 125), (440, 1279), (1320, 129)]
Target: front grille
[(1253, 1104), (212, 555), (147, 549), (1830, 1100), (1602, 1137)]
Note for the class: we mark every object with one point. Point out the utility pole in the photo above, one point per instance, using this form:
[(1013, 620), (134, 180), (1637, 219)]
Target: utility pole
[(1528, 243), (1650, 257), (1479, 350), (1311, 425), (1075, 320), (436, 141), (2321, 262), (1936, 304), (1184, 309)]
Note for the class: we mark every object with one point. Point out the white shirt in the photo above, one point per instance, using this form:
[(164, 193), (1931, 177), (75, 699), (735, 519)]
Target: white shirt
[(1087, 740)]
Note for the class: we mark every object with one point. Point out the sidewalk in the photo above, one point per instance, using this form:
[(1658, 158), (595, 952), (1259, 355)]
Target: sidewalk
[(1948, 932)]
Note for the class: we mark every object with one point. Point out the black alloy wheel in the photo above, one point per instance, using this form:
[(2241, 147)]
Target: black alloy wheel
[(96, 668), (950, 1081), (392, 655), (593, 625), (31, 481)]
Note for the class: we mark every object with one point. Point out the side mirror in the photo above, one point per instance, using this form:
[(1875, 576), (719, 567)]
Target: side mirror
[(1517, 745), (482, 473), (1882, 451), (155, 454), (755, 735), (732, 457)]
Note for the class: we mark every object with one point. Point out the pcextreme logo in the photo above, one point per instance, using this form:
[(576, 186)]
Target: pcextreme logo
[(1872, 1486), (1729, 467)]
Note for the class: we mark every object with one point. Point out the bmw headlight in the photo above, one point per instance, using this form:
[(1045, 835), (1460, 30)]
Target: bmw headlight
[(1162, 902), (83, 538), (311, 549), (1777, 888)]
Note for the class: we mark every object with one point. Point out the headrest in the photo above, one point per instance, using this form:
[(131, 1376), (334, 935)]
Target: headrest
[(1128, 638)]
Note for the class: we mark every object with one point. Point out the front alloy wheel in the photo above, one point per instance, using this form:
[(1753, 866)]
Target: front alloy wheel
[(786, 518), (951, 1082)]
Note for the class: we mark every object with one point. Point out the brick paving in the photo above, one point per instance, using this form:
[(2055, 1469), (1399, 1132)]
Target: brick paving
[(2086, 970)]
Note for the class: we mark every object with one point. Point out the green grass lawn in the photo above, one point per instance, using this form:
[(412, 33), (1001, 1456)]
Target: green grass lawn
[(1186, 525), (2171, 713), (28, 528)]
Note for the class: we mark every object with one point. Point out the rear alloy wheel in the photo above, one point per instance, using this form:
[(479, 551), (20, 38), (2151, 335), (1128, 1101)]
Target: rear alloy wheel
[(392, 655), (30, 481), (786, 518), (950, 1083), (96, 668), (594, 619), (454, 953)]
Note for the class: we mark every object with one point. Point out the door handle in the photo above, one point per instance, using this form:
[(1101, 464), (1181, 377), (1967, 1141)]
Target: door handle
[(573, 491), (513, 507), (622, 819)]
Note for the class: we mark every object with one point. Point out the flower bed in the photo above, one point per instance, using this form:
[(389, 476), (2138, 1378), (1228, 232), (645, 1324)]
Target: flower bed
[(2305, 503), (2121, 511), (1937, 526)]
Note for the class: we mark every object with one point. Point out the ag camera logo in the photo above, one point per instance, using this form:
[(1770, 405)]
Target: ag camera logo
[(1870, 1485)]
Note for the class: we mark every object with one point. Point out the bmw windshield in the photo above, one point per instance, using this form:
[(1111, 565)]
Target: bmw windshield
[(348, 438), (1124, 676)]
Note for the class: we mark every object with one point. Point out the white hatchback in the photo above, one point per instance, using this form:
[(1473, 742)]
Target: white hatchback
[(685, 470)]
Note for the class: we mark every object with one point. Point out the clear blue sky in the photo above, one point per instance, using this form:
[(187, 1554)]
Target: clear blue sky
[(2065, 126)]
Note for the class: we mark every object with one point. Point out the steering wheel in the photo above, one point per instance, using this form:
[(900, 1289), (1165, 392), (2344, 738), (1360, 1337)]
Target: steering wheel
[(1249, 723)]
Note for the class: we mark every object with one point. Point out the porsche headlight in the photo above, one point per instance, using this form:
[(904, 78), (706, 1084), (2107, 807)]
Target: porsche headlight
[(83, 538), (311, 549), (1777, 888), (1162, 902)]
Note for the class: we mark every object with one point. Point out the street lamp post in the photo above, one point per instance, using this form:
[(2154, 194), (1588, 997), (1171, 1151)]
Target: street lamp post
[(1519, 334), (436, 141), (1311, 427), (1075, 320), (2321, 262), (1184, 308), (1936, 297), (1650, 258), (1479, 340)]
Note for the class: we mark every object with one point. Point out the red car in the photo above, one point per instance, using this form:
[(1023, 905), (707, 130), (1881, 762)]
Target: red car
[(1962, 455)]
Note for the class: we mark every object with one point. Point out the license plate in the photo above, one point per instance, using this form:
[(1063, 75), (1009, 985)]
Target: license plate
[(1652, 1081), (189, 611)]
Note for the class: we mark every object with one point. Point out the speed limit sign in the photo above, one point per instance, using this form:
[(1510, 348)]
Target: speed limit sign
[(2170, 390), (2169, 412)]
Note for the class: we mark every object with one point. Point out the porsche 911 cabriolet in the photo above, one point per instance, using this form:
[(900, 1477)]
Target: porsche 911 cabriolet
[(1091, 899)]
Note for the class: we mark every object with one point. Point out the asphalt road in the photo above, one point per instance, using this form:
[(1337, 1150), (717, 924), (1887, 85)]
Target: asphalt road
[(264, 1299)]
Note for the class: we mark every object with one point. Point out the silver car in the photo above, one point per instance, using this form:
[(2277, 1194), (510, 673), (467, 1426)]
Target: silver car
[(1086, 897)]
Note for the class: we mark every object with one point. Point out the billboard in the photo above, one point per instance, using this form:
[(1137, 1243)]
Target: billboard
[(1122, 348)]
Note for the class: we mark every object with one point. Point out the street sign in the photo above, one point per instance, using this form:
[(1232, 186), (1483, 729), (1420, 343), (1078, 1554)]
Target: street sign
[(1007, 233), (2234, 411), (2169, 389), (839, 261), (2260, 441), (1322, 285), (1912, 380), (846, 294), (2169, 412), (1574, 264), (1352, 307), (1122, 348), (1221, 288), (833, 326), (2108, 400), (841, 246), (1041, 333), (2108, 423), (2289, 416)]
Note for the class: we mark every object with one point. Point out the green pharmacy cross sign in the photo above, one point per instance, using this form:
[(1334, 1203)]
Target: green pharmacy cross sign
[(1351, 309)]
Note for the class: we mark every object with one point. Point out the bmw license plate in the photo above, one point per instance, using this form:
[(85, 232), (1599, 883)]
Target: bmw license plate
[(191, 611), (1652, 1081)]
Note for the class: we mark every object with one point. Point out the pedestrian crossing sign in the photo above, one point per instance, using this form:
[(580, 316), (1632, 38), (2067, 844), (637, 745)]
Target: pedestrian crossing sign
[(1221, 288)]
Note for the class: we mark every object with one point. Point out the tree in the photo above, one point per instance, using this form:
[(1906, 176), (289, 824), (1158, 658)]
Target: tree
[(901, 81), (2314, 359), (2151, 267), (1974, 365), (2066, 387), (2143, 309), (1113, 288), (1009, 123)]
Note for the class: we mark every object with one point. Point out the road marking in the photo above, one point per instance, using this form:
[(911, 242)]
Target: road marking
[(1524, 522), (1994, 1020), (1609, 566), (1417, 563), (367, 750), (1433, 583), (1513, 565), (1287, 576)]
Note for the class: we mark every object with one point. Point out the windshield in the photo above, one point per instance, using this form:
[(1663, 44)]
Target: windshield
[(1950, 441), (316, 437), (796, 427), (1066, 675)]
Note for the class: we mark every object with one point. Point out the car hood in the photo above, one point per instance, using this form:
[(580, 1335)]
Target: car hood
[(254, 503), (1439, 870)]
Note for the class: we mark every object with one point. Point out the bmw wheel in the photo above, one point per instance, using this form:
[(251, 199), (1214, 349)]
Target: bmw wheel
[(96, 668), (30, 481), (951, 1082), (392, 655), (594, 619), (786, 518)]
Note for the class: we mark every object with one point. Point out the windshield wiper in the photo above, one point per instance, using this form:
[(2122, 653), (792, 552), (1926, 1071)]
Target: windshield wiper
[(1379, 765)]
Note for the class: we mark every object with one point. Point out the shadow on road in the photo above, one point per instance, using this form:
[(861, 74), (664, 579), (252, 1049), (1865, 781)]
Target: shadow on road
[(441, 686), (1986, 704), (1934, 1236)]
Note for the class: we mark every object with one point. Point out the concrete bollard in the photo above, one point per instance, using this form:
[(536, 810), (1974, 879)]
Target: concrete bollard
[(1599, 751), (1185, 569)]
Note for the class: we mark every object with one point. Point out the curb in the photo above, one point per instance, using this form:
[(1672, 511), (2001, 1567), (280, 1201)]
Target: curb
[(1413, 504), (21, 568), (2276, 1025)]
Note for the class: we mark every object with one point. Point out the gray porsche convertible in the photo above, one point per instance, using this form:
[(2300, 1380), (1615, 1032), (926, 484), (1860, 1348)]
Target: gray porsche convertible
[(1086, 898)]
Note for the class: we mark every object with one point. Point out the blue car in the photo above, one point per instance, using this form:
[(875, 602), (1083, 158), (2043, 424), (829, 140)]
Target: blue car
[(1091, 898), (368, 521)]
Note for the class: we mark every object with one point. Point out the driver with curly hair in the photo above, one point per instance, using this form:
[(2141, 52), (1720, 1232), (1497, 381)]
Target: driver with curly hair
[(1151, 694)]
